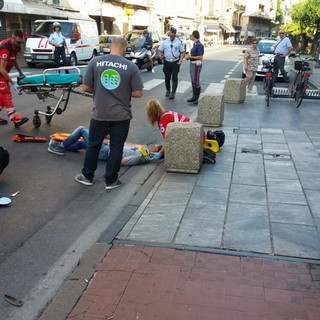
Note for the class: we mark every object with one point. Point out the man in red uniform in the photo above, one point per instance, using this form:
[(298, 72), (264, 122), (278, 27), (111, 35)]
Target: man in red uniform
[(9, 48)]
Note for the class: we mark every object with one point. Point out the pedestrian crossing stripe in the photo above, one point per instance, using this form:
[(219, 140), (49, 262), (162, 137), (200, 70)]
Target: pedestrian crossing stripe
[(152, 84)]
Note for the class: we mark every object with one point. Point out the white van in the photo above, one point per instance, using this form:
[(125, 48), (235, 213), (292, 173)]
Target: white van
[(81, 36)]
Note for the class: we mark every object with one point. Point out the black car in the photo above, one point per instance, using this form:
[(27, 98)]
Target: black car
[(133, 36)]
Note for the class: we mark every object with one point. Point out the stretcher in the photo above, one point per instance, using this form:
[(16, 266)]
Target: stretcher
[(45, 86)]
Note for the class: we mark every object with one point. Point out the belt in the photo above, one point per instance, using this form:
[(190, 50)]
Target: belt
[(279, 54), (171, 60)]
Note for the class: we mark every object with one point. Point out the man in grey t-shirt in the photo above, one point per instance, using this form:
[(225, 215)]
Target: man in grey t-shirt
[(113, 80)]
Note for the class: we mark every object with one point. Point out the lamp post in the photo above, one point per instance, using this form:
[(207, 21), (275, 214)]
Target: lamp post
[(101, 17)]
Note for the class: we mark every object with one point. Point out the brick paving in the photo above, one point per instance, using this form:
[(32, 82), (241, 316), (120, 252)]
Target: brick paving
[(144, 283)]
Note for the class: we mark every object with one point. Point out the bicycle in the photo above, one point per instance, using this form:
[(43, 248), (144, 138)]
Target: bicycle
[(300, 83), (268, 80)]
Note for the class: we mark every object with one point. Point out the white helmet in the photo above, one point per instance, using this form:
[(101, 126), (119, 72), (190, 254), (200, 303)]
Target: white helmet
[(56, 24)]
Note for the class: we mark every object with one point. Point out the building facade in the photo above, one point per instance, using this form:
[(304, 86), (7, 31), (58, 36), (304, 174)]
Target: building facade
[(218, 20)]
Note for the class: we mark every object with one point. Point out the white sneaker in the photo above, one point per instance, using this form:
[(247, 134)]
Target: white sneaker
[(152, 70)]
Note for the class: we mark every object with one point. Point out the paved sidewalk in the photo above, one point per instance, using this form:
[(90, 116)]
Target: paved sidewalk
[(239, 240), (148, 283), (262, 195)]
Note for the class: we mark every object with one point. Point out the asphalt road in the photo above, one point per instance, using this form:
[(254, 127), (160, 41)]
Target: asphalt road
[(53, 219)]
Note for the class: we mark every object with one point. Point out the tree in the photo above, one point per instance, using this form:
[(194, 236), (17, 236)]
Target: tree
[(306, 14)]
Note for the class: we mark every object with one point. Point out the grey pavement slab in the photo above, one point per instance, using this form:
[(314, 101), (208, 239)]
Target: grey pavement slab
[(247, 228), (249, 157), (199, 233), (273, 138), (296, 136), (310, 180), (280, 169), (248, 173), (290, 213), (295, 240), (307, 164), (313, 197), (215, 179), (275, 148), (291, 198), (284, 186), (248, 194)]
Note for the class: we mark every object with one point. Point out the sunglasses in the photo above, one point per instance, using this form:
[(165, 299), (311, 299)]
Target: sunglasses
[(254, 42), (281, 32)]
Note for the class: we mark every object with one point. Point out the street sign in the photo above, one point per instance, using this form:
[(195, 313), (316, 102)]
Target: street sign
[(129, 12)]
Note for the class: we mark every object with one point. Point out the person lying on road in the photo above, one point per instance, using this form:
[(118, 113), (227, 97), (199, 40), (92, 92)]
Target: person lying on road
[(78, 139)]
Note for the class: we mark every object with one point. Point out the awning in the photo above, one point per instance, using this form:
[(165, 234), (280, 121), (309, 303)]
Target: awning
[(141, 18), (108, 10), (212, 28), (228, 29), (245, 33), (17, 6)]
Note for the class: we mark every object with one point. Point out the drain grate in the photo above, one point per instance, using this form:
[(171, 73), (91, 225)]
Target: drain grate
[(245, 131)]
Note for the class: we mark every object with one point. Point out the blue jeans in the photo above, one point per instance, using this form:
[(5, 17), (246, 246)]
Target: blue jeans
[(72, 143), (98, 130)]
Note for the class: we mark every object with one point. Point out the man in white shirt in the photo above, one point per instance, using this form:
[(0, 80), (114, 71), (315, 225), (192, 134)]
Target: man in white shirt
[(58, 40), (282, 49)]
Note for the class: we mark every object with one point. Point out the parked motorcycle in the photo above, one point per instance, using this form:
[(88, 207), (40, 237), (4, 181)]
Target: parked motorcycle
[(138, 54)]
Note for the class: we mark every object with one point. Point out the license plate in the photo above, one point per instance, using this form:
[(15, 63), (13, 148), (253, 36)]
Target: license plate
[(42, 57)]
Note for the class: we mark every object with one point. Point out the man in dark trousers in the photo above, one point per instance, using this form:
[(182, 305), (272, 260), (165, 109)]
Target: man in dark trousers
[(148, 45), (58, 40), (113, 80), (9, 49), (282, 49), (172, 50)]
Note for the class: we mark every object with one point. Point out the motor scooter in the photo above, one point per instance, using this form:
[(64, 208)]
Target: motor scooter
[(139, 57)]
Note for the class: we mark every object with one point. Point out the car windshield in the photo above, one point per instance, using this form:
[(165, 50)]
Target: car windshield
[(266, 47), (45, 29), (140, 43), (132, 36)]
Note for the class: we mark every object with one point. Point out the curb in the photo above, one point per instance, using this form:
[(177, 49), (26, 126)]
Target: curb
[(71, 291)]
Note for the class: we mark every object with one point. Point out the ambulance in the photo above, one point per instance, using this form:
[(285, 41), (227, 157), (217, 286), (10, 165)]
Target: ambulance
[(82, 40)]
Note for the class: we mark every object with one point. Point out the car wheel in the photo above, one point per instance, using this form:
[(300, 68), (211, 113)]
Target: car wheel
[(73, 59)]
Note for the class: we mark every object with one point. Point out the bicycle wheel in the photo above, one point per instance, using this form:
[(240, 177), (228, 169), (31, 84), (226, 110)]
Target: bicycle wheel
[(293, 88), (301, 89)]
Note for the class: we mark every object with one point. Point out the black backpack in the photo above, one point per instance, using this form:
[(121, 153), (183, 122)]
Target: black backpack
[(217, 135), (4, 158)]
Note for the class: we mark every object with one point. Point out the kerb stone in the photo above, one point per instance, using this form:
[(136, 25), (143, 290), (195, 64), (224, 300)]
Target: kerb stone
[(211, 109), (184, 147), (235, 90)]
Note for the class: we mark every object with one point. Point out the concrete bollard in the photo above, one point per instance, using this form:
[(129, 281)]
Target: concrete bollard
[(184, 147), (235, 90), (211, 109)]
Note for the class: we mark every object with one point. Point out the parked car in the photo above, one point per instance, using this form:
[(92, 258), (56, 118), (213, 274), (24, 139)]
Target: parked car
[(133, 36), (185, 38), (266, 54), (81, 37), (105, 41)]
